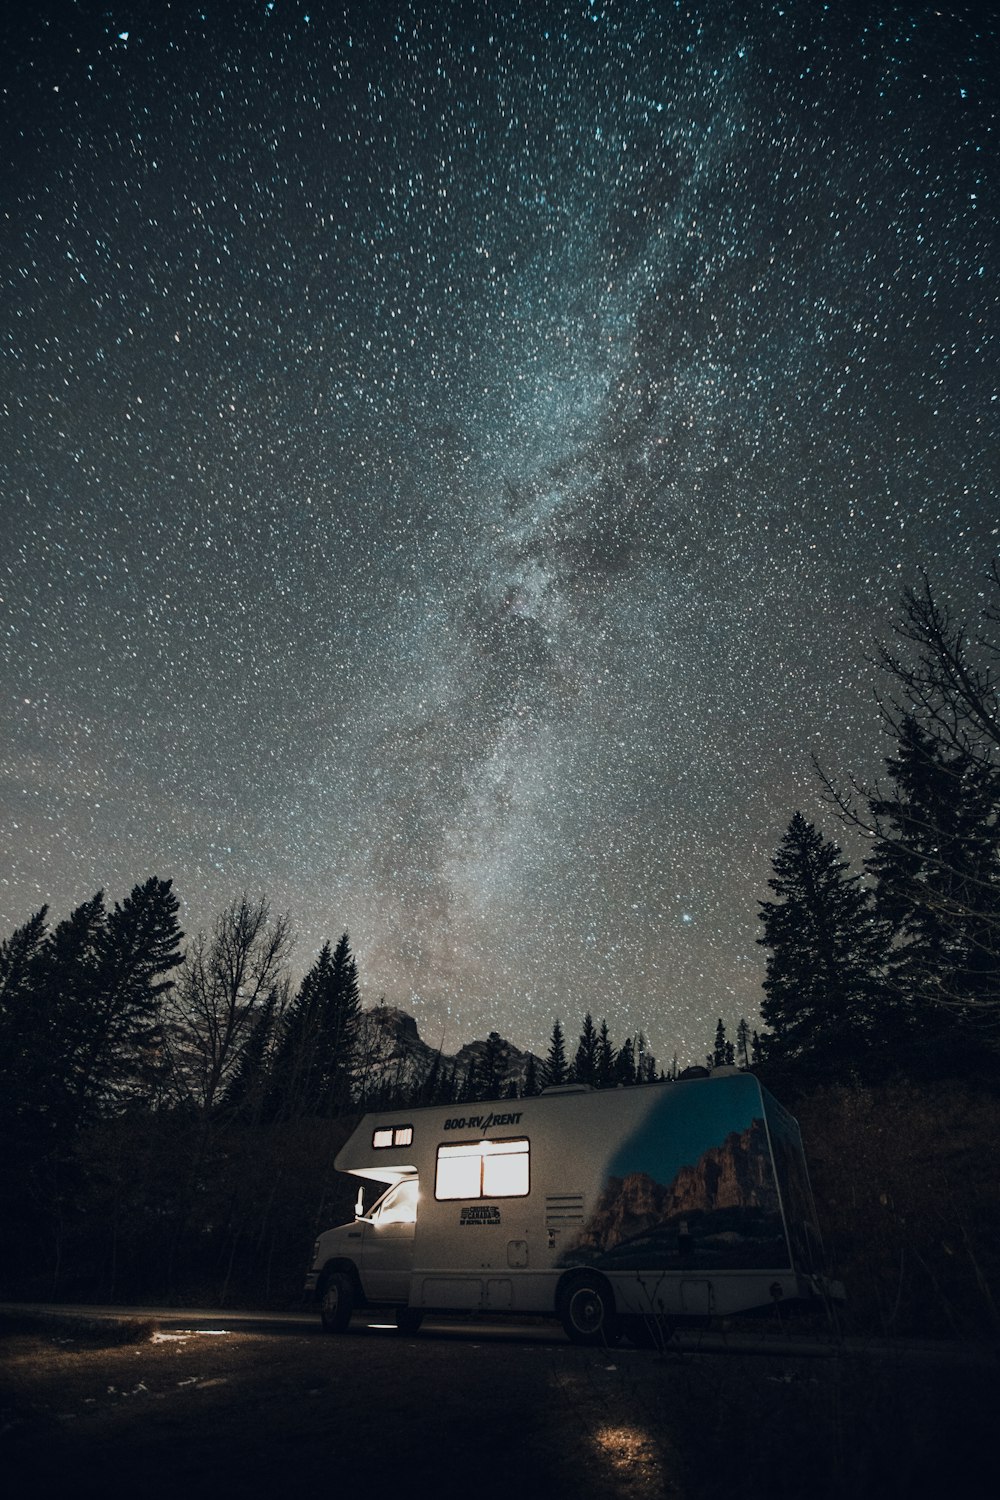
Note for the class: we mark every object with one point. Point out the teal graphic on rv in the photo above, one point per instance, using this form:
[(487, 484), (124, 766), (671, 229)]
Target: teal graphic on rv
[(692, 1186)]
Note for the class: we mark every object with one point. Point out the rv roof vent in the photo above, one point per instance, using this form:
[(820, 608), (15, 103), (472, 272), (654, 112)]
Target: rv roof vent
[(694, 1072), (567, 1088)]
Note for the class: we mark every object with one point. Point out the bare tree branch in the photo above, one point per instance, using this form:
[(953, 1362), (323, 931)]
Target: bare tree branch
[(226, 978)]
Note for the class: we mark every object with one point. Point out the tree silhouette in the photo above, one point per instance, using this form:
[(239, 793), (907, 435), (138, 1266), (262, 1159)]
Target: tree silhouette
[(585, 1061), (822, 985), (226, 980), (117, 1037), (605, 1060), (624, 1066), (936, 863), (945, 674), (245, 1092), (719, 1047), (17, 955), (933, 832), (554, 1069), (315, 1063), (32, 1085)]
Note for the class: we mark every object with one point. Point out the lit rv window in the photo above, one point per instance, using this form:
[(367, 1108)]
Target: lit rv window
[(482, 1169), (392, 1135)]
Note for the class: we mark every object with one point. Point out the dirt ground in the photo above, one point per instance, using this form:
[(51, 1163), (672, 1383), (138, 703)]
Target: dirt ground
[(135, 1411)]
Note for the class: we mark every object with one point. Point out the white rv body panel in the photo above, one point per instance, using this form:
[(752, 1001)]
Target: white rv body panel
[(686, 1199)]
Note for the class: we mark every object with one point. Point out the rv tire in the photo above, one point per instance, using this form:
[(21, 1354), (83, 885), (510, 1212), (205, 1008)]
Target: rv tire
[(336, 1302), (586, 1306), (408, 1319)]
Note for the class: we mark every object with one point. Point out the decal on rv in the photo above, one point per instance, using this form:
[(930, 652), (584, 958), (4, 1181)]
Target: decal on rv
[(486, 1214), (685, 1193), (482, 1122)]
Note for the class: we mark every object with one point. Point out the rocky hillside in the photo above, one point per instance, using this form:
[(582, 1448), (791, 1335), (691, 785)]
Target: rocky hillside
[(392, 1049)]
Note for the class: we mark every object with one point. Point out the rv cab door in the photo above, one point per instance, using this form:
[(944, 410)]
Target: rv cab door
[(387, 1256)]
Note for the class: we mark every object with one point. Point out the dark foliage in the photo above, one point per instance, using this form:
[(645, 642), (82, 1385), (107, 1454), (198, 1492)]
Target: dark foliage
[(313, 1071), (936, 865), (934, 829), (555, 1070), (823, 994), (585, 1061)]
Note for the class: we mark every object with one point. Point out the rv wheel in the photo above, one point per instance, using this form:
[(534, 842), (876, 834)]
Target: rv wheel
[(408, 1319), (587, 1310), (336, 1303)]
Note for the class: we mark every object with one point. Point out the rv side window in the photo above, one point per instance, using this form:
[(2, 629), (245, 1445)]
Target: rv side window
[(482, 1169), (399, 1206)]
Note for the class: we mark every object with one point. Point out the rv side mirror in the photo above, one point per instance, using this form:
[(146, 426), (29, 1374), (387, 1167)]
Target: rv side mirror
[(359, 1207)]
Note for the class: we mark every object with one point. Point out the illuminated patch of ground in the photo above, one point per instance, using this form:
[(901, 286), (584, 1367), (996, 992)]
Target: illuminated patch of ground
[(452, 1412)]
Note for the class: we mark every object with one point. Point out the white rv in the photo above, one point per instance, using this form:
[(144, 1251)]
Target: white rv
[(611, 1210)]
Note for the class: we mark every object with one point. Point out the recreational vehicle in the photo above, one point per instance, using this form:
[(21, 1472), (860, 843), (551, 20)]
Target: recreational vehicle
[(612, 1210)]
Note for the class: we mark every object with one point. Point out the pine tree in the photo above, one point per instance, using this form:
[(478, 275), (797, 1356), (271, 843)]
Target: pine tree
[(605, 1062), (81, 1010), (342, 1018), (719, 1049), (17, 954), (555, 1071), (118, 1052), (25, 1050), (624, 1069), (825, 950), (69, 976), (585, 1061), (743, 1041), (936, 864), (934, 840), (531, 1085), (317, 1056)]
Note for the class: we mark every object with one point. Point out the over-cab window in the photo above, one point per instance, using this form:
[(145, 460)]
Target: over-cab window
[(392, 1135), (482, 1169)]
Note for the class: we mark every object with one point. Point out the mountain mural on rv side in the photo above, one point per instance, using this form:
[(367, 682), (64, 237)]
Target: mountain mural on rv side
[(720, 1210)]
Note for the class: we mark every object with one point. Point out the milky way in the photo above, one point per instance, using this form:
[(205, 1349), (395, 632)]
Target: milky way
[(458, 458)]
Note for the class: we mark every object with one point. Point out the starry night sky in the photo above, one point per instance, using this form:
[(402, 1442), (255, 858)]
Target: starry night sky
[(458, 457)]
